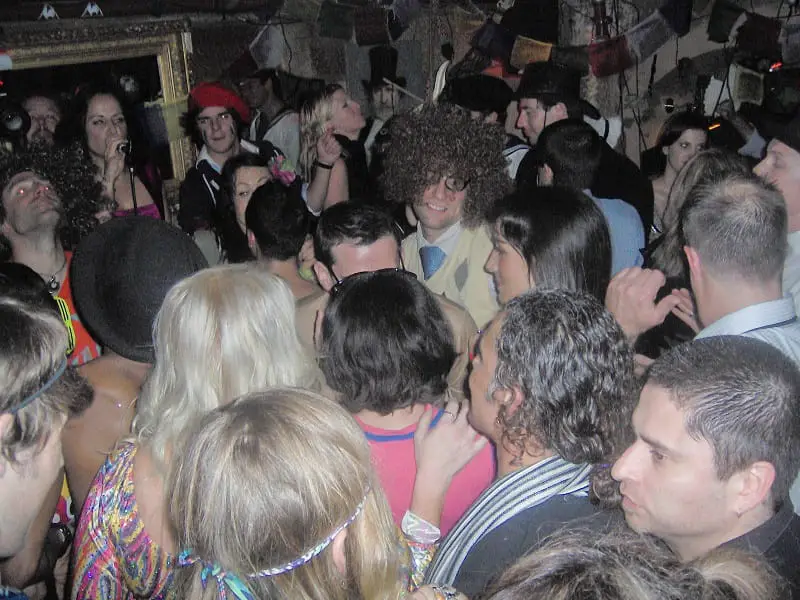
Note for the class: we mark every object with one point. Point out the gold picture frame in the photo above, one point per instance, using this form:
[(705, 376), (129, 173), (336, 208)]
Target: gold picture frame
[(59, 43)]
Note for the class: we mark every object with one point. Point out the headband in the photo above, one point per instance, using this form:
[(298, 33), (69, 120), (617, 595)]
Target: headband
[(238, 587), (47, 385)]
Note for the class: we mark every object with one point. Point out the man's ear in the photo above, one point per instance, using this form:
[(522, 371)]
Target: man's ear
[(491, 117), (510, 398), (324, 277), (251, 243), (753, 486), (546, 175), (559, 111), (6, 419), (693, 258)]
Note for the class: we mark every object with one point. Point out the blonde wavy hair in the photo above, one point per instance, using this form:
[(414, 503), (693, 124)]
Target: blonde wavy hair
[(264, 479), (315, 115), (220, 333)]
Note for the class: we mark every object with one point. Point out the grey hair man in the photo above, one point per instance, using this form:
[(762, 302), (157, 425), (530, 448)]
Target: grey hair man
[(717, 447)]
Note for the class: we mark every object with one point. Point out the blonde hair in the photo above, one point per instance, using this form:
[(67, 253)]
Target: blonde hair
[(220, 333), (263, 480), (314, 118)]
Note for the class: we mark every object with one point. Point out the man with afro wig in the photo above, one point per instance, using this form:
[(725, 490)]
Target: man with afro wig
[(449, 168)]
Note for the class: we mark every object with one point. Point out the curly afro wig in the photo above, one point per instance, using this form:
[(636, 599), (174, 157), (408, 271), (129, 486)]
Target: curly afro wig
[(73, 177), (444, 140)]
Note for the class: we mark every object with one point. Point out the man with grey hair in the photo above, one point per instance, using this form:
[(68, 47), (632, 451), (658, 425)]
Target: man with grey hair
[(735, 243), (552, 387), (734, 234)]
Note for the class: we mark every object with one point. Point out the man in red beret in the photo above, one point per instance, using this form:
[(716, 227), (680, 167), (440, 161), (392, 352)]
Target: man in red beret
[(214, 120)]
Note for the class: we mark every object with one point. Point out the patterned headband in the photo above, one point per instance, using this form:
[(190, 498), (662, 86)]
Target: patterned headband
[(46, 386), (238, 587)]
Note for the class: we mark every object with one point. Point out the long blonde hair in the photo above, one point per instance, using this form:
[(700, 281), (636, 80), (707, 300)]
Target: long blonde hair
[(263, 480), (314, 118), (219, 334)]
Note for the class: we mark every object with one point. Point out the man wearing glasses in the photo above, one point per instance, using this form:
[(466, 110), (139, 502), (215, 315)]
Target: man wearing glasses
[(451, 170), (354, 238)]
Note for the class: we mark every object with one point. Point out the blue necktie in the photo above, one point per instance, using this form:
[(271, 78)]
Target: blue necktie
[(432, 258)]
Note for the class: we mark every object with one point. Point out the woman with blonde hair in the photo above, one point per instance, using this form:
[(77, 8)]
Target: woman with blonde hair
[(220, 333), (274, 496), (332, 158)]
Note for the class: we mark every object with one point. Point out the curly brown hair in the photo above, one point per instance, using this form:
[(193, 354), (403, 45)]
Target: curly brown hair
[(73, 177), (445, 140)]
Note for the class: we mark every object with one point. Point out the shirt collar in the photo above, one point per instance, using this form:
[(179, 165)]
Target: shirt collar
[(757, 316), (765, 535), (447, 241), (205, 156)]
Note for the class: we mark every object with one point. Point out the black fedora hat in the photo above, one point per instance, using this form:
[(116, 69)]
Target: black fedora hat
[(481, 93), (382, 63), (120, 274), (555, 83)]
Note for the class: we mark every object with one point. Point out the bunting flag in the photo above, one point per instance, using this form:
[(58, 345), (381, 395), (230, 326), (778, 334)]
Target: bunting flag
[(526, 50), (648, 36), (790, 43), (335, 21), (371, 26), (6, 64), (494, 40), (760, 34), (610, 56), (572, 57), (678, 14), (301, 10), (724, 15)]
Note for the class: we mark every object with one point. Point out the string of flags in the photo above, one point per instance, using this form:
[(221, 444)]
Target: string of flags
[(753, 32)]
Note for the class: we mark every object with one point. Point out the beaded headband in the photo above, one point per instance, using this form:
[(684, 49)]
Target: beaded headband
[(238, 587), (46, 386)]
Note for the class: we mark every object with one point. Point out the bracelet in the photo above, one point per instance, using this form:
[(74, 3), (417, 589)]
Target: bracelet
[(323, 165)]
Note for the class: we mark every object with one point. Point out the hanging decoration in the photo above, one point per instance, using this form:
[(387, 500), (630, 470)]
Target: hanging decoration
[(91, 10), (5, 60), (606, 57), (48, 13)]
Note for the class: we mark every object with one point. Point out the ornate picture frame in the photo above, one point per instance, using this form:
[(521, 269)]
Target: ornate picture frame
[(58, 43)]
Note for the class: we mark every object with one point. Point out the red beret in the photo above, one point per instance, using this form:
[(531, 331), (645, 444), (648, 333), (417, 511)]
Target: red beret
[(215, 94)]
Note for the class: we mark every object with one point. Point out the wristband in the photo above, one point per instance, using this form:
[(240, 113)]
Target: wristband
[(323, 165)]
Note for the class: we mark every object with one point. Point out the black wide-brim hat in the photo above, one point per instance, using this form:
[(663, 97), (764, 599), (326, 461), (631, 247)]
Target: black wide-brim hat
[(120, 275), (554, 83), (382, 64)]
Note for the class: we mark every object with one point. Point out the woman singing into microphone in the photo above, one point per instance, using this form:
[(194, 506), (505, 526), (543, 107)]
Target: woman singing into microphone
[(98, 121)]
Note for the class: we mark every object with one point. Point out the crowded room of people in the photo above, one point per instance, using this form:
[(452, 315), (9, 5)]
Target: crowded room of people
[(399, 300)]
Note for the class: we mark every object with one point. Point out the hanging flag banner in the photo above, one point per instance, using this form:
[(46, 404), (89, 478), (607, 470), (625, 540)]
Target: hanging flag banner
[(6, 64), (610, 56), (648, 36), (526, 50)]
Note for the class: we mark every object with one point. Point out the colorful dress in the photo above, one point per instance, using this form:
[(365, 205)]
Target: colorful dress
[(115, 559)]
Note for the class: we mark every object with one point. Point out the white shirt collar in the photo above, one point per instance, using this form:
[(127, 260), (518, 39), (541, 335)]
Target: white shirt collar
[(447, 241)]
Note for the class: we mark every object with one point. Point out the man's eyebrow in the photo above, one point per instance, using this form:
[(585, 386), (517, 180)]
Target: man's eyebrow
[(655, 444)]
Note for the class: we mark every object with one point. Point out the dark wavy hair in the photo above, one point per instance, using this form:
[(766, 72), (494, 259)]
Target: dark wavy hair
[(72, 175), (72, 128), (386, 344), (445, 140), (279, 220), (562, 236), (570, 360), (351, 222)]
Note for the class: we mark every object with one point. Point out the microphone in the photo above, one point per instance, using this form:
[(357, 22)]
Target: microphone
[(124, 148)]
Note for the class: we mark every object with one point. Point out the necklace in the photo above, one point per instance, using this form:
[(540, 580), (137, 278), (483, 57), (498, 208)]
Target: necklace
[(52, 282)]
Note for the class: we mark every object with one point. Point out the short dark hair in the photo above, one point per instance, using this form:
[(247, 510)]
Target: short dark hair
[(350, 222), (188, 122), (386, 343), (264, 75), (570, 360), (742, 396), (738, 227), (279, 220), (562, 235), (572, 149)]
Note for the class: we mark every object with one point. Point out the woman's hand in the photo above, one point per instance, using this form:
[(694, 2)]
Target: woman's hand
[(441, 452), (114, 162), (328, 149)]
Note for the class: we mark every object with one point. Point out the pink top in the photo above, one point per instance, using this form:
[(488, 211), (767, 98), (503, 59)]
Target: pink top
[(394, 460), (148, 210)]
